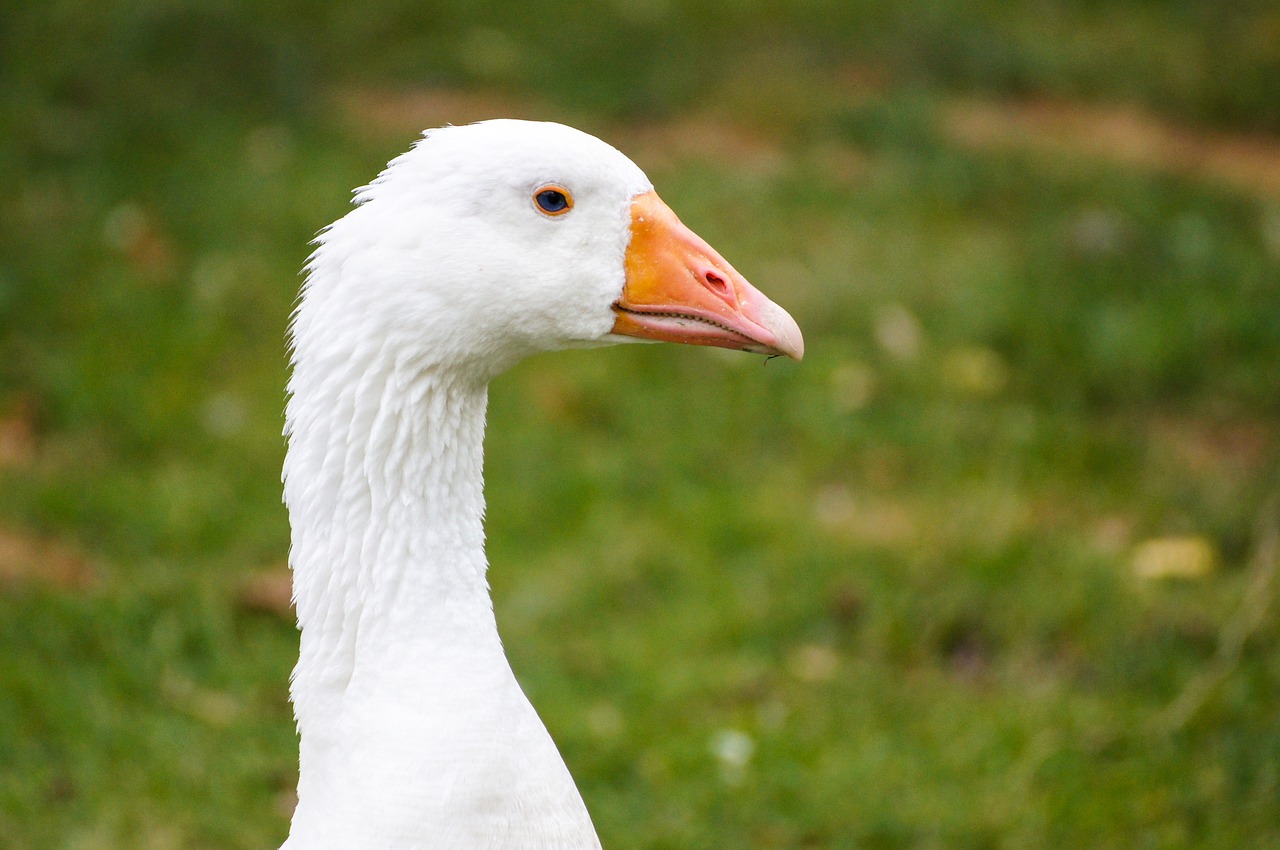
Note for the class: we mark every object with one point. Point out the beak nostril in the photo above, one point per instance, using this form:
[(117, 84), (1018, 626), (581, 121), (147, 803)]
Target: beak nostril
[(715, 282)]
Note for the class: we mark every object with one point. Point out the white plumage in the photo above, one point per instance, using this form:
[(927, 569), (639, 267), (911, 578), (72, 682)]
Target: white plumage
[(414, 732)]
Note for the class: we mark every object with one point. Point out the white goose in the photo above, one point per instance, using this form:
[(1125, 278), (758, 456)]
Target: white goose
[(481, 245)]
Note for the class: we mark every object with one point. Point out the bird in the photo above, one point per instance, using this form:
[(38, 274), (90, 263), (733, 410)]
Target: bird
[(481, 245)]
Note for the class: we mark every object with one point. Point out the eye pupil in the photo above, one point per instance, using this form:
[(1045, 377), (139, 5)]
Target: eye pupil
[(552, 200)]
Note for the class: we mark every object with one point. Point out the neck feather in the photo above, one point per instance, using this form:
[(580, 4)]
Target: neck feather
[(413, 729), (384, 486)]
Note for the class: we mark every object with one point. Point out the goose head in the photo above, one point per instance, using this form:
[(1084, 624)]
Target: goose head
[(492, 241)]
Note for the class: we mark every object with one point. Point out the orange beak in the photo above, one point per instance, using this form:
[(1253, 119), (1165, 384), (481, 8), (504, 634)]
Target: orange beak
[(678, 289)]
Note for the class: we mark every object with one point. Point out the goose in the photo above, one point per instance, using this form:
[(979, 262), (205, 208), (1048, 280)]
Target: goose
[(481, 245)]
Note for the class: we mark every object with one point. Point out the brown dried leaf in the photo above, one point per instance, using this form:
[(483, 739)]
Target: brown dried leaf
[(137, 235), (17, 434), (1206, 447), (25, 560), (268, 592)]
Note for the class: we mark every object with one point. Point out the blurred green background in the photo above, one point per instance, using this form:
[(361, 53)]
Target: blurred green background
[(995, 567)]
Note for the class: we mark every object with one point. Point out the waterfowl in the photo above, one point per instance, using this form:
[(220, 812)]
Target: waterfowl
[(483, 244)]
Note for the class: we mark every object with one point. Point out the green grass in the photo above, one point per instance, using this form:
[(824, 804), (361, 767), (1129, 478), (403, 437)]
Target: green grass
[(900, 572)]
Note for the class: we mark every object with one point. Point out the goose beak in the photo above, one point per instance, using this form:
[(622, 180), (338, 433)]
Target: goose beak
[(679, 289)]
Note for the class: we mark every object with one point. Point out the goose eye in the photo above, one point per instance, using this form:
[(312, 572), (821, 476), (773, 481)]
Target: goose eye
[(553, 200)]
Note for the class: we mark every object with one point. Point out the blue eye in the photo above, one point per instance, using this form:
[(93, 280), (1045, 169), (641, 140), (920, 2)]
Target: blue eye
[(553, 200)]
